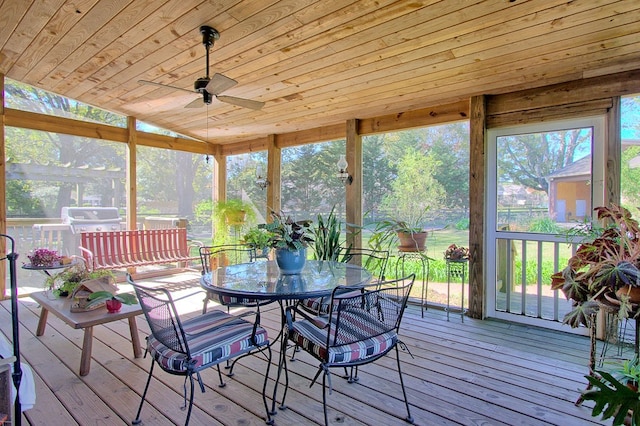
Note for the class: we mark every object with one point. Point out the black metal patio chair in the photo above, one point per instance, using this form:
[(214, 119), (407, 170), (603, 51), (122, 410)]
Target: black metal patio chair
[(213, 257), (186, 347), (361, 328), (372, 260)]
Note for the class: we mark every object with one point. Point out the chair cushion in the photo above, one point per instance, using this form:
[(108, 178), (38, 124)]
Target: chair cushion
[(319, 305), (365, 338), (212, 338), (233, 301)]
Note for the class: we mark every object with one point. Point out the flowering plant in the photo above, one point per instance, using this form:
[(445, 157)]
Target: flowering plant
[(455, 252), (44, 257)]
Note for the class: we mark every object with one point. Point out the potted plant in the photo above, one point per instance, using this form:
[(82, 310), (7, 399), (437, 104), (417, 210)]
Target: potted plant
[(456, 253), (628, 373), (290, 239), (113, 301), (408, 234), (327, 234), (44, 258), (232, 213), (258, 239), (65, 282), (613, 399), (604, 268)]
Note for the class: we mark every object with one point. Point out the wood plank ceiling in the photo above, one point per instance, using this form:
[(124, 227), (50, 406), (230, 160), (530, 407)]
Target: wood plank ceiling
[(314, 63)]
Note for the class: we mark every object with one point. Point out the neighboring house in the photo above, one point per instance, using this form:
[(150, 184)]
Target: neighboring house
[(569, 192)]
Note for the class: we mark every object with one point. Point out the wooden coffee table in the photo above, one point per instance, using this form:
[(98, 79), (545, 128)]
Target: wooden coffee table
[(60, 307)]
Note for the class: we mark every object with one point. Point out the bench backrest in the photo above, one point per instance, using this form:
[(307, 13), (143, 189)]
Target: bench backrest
[(113, 248)]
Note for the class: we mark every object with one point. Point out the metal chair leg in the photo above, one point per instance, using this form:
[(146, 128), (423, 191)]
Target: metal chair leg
[(324, 397), (137, 420), (408, 419), (186, 422)]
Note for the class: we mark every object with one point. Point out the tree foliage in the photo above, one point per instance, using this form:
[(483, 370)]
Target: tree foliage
[(163, 175), (528, 159)]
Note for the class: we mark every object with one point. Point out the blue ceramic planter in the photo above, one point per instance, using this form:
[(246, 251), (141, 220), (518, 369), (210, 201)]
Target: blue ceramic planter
[(291, 262)]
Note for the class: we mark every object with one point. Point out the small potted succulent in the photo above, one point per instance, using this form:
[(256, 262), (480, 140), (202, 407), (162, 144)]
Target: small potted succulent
[(604, 269)]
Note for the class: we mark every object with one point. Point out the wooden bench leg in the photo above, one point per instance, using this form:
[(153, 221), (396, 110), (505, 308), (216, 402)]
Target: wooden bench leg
[(85, 358), (42, 322), (135, 337)]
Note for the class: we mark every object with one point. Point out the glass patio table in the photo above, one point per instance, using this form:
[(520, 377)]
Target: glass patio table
[(263, 281)]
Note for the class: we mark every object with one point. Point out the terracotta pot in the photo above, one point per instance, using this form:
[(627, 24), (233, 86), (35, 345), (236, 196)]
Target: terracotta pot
[(113, 305), (415, 241), (633, 292)]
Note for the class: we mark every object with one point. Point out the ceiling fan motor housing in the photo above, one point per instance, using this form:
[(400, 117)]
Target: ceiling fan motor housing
[(200, 84)]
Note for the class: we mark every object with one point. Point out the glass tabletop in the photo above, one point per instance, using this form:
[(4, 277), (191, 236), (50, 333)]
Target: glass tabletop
[(262, 280)]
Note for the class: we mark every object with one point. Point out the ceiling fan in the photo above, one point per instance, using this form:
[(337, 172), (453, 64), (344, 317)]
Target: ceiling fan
[(211, 87)]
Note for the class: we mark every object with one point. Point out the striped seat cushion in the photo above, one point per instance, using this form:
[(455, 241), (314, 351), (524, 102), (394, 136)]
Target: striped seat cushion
[(317, 304), (212, 337), (363, 332), (321, 305), (225, 300)]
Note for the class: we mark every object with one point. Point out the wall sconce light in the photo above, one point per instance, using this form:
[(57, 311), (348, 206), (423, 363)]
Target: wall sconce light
[(343, 175), (261, 180)]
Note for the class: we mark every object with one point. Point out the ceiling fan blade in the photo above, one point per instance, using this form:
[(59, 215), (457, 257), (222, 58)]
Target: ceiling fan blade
[(166, 86), (196, 103), (219, 83), (245, 103)]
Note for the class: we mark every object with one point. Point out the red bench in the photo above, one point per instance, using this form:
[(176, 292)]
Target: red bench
[(125, 249)]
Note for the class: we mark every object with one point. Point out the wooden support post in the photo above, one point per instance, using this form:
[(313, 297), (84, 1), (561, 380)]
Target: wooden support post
[(274, 167), (477, 206), (353, 192)]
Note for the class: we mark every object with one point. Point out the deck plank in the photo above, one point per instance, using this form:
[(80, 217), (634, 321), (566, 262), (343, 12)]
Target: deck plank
[(476, 372)]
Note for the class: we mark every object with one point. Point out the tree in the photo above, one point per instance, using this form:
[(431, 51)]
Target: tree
[(450, 145), (59, 149), (415, 188), (529, 158)]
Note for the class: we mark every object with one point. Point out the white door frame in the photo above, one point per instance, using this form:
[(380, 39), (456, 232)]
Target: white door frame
[(598, 124)]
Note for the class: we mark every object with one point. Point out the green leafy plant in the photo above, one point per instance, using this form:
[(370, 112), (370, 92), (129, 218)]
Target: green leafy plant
[(285, 233), (628, 373), (545, 225), (612, 398), (102, 296), (386, 232), (327, 234), (257, 238), (228, 214), (66, 281), (608, 263)]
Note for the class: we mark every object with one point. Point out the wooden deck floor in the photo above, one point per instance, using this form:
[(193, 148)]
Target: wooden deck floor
[(471, 373)]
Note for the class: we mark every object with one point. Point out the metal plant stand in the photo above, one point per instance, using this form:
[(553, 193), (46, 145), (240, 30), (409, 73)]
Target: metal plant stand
[(11, 256), (403, 269), (456, 269)]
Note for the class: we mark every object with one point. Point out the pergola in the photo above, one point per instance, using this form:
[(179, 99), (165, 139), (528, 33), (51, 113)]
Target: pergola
[(326, 71)]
